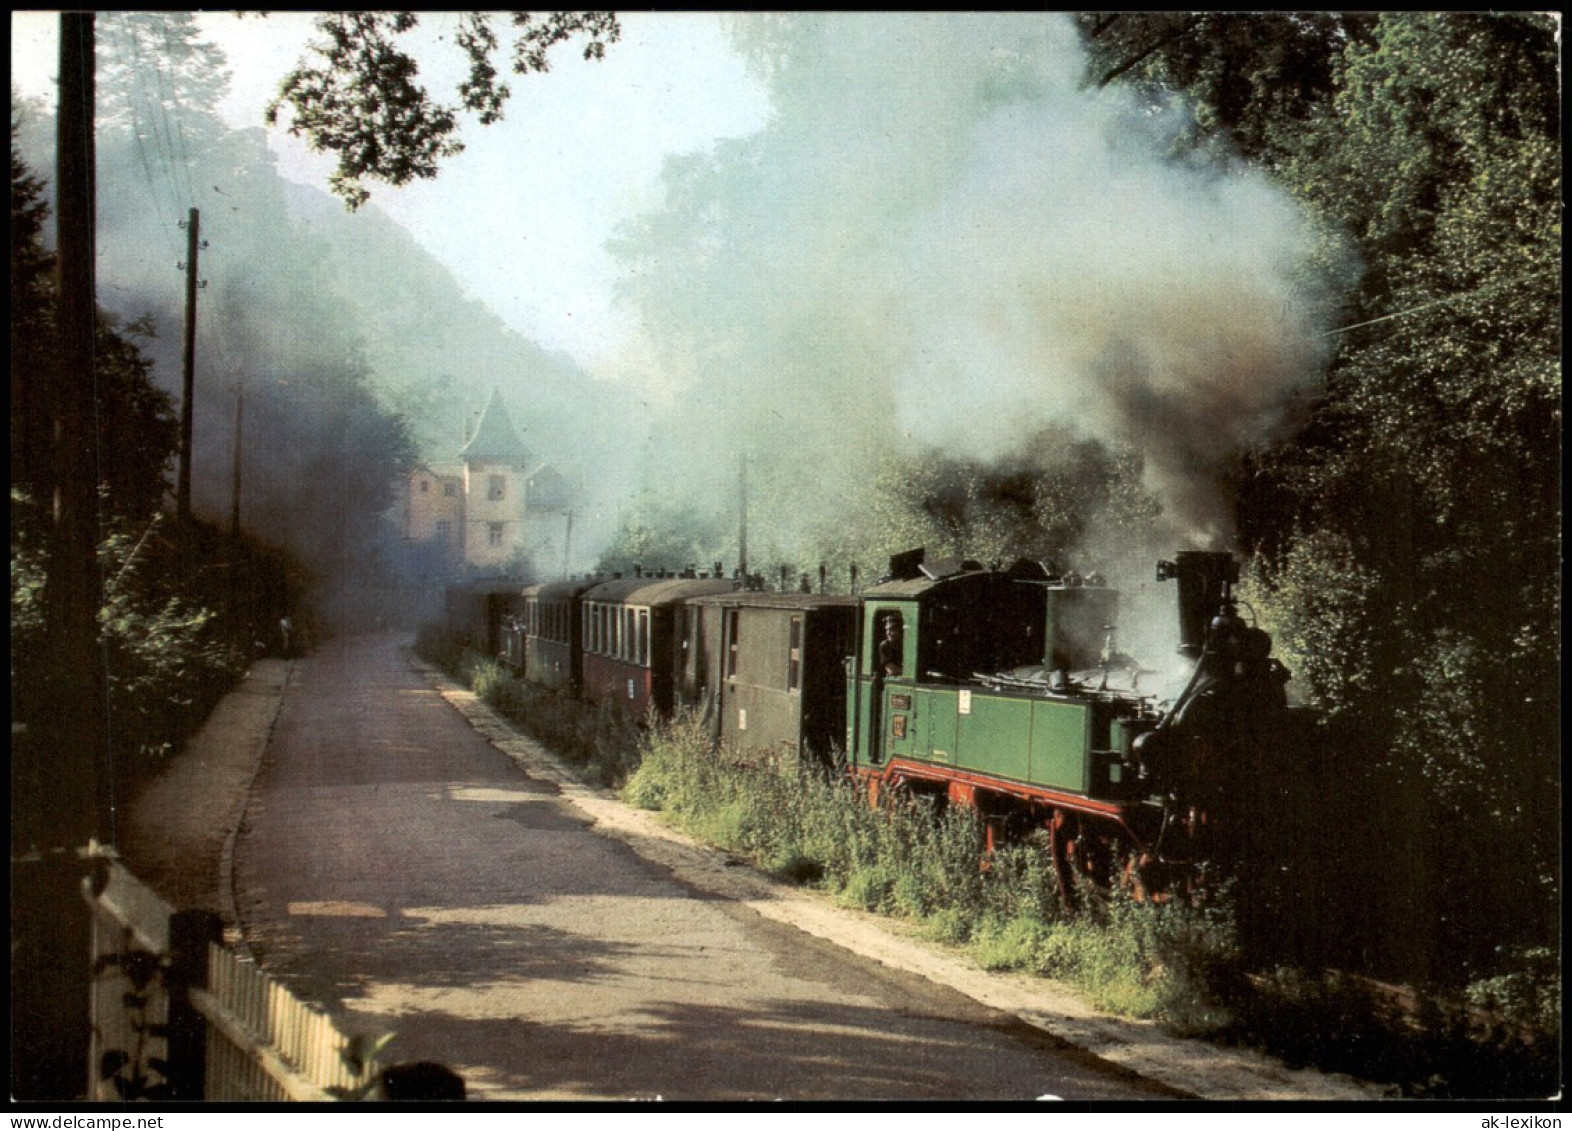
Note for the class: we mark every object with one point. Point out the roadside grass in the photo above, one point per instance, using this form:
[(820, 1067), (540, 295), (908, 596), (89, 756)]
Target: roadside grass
[(916, 859)]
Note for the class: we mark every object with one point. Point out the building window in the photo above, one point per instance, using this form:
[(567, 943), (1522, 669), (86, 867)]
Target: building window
[(449, 490), (444, 532), (425, 485), (498, 487), (494, 533)]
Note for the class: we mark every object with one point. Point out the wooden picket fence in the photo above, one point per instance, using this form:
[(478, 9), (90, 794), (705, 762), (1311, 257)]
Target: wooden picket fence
[(177, 1015)]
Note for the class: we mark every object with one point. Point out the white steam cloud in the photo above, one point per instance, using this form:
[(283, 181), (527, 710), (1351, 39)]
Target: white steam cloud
[(945, 237)]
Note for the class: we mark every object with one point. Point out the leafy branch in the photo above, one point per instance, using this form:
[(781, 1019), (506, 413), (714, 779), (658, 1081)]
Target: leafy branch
[(358, 94)]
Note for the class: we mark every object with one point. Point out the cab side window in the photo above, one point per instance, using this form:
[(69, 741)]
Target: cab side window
[(890, 645)]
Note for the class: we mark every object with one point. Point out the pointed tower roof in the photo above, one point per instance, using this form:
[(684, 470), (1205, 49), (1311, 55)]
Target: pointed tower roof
[(494, 440)]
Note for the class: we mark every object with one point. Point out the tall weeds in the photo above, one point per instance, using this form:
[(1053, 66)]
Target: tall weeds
[(915, 858)]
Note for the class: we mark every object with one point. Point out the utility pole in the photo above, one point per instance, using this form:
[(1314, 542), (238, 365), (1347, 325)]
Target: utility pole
[(193, 246), (60, 739), (234, 494)]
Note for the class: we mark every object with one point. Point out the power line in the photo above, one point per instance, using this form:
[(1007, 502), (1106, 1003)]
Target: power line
[(1478, 291)]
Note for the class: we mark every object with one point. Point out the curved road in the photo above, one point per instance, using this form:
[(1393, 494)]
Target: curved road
[(397, 867)]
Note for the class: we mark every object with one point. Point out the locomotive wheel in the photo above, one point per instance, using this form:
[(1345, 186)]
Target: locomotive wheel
[(1059, 854), (1149, 880), (1092, 857)]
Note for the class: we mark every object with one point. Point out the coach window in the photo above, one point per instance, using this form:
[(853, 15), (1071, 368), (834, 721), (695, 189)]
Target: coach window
[(644, 637), (794, 656), (731, 618)]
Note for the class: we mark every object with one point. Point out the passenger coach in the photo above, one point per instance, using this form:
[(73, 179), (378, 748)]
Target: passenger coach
[(553, 647), (632, 649), (771, 670)]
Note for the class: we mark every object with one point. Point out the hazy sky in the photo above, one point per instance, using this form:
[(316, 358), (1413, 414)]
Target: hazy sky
[(522, 215)]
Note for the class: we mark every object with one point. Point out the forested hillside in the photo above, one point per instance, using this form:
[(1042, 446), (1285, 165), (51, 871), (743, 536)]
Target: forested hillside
[(325, 317)]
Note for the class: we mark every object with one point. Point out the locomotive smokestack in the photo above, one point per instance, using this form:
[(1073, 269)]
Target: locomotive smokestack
[(1204, 579)]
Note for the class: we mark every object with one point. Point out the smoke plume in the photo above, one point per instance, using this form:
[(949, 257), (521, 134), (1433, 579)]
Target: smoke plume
[(946, 239)]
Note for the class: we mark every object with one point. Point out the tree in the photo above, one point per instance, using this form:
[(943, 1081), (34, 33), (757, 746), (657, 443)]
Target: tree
[(1253, 80), (1435, 454), (1409, 532), (32, 328), (359, 97)]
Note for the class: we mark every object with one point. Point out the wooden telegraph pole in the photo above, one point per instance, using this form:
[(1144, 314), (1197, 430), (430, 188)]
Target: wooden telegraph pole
[(61, 745), (193, 246), (234, 496)]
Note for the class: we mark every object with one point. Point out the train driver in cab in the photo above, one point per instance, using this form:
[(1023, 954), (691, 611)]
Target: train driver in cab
[(890, 661)]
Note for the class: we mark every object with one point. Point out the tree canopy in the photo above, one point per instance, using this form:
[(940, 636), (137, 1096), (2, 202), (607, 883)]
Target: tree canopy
[(359, 95)]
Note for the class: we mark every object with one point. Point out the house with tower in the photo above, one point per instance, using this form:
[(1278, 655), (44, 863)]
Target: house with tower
[(495, 505)]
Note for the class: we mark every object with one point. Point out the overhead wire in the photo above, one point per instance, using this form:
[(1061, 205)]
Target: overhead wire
[(1447, 301), (163, 191), (174, 102)]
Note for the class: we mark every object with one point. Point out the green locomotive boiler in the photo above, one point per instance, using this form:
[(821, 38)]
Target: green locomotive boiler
[(1005, 690)]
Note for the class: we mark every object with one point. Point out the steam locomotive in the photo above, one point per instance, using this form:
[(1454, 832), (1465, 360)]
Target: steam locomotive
[(1000, 689)]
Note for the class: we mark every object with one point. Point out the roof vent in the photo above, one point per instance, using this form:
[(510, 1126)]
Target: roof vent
[(946, 567)]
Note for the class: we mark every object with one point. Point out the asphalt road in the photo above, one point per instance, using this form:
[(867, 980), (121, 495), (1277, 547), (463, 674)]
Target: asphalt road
[(398, 867)]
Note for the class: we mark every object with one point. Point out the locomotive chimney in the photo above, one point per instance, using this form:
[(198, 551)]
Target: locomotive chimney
[(1205, 581), (824, 572)]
